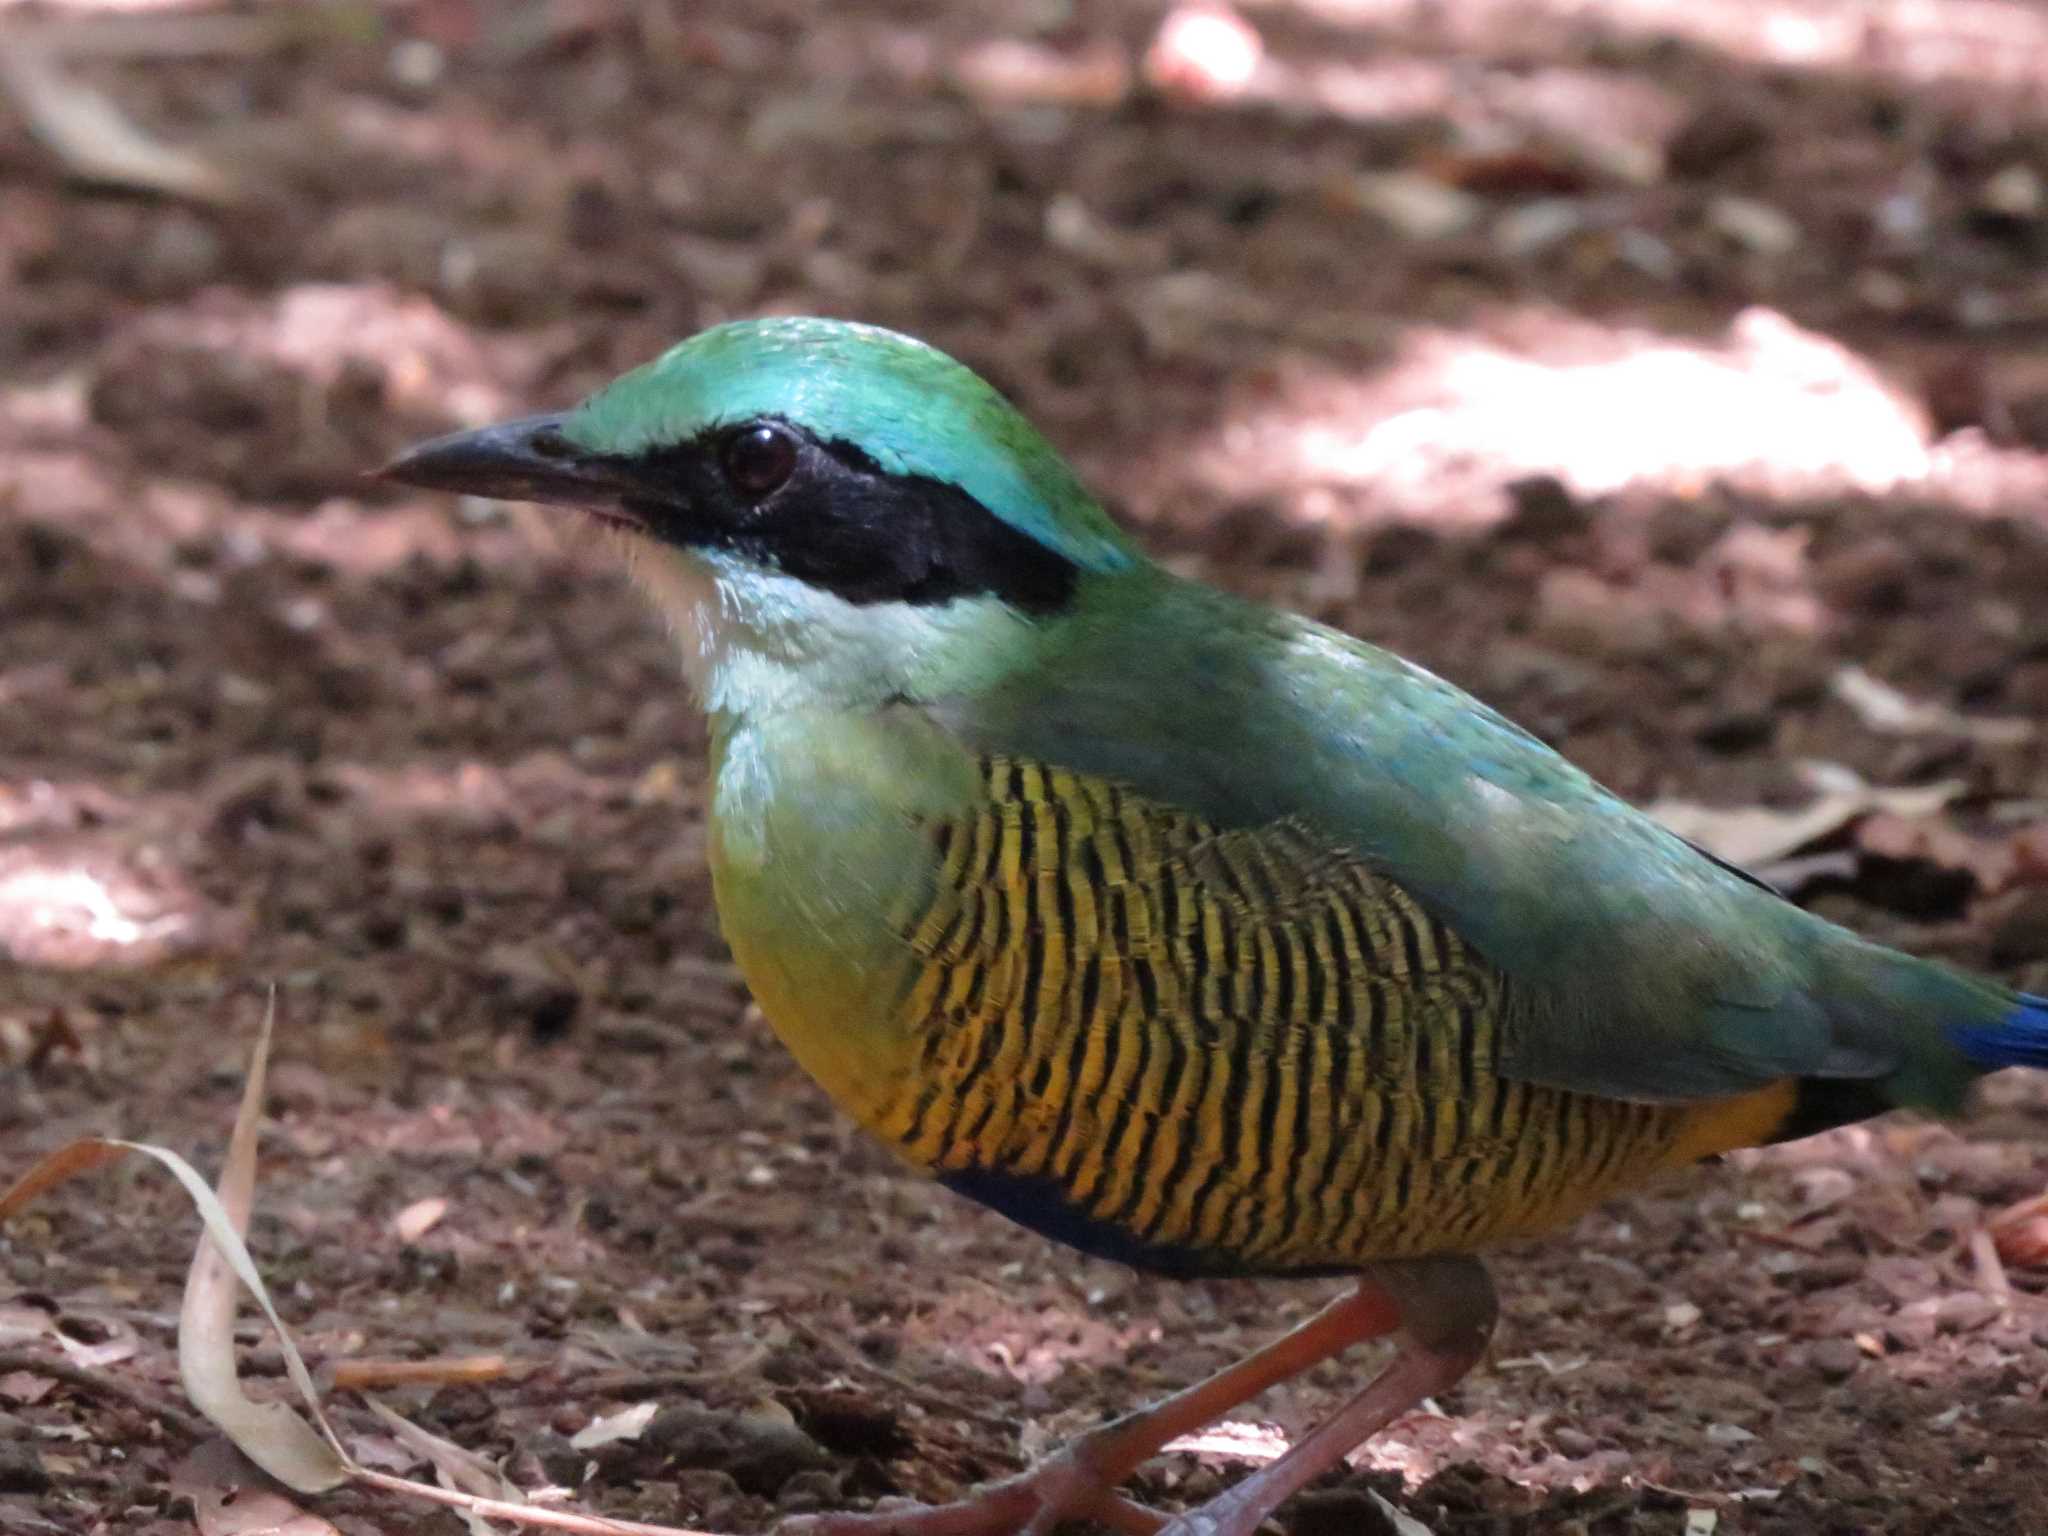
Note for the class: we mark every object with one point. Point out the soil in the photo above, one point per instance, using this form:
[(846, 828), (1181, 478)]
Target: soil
[(1710, 366)]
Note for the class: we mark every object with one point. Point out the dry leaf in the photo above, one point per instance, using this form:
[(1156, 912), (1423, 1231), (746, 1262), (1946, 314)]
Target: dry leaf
[(269, 1434), (1232, 1440), (25, 1388), (272, 1436), (1751, 835), (626, 1424), (94, 139), (383, 1452), (19, 1324), (419, 1218), (1883, 708), (1993, 863), (228, 1500), (66, 1162), (121, 1342)]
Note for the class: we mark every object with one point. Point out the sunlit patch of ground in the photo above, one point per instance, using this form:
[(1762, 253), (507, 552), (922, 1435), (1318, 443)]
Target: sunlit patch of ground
[(424, 360), (1768, 407), (95, 881), (90, 7), (457, 788), (79, 901), (1973, 43)]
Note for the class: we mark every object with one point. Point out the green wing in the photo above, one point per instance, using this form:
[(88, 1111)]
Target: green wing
[(1650, 971)]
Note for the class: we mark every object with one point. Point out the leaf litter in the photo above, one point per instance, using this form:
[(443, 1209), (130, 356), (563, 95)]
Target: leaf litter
[(947, 234), (306, 1458)]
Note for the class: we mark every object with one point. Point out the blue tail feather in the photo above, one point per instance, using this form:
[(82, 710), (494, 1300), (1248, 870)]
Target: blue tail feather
[(2019, 1039)]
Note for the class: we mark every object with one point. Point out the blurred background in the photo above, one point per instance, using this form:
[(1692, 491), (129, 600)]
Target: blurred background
[(1673, 376)]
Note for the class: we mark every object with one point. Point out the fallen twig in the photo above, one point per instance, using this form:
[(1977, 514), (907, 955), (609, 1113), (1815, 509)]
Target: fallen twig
[(368, 1374), (523, 1514)]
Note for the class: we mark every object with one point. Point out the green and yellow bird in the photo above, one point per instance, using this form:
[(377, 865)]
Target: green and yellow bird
[(1181, 929)]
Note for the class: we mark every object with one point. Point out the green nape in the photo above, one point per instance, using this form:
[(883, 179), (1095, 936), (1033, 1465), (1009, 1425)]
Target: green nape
[(907, 406)]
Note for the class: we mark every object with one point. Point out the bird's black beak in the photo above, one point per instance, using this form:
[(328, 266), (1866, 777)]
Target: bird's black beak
[(525, 460)]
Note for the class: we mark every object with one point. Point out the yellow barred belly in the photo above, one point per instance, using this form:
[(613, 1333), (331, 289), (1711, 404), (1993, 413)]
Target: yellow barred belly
[(1228, 1051)]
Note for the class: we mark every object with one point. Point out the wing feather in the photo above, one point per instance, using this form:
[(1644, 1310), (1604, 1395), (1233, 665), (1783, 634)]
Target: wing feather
[(1650, 971)]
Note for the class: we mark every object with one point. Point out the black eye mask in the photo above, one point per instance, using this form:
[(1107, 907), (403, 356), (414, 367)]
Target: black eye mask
[(827, 514)]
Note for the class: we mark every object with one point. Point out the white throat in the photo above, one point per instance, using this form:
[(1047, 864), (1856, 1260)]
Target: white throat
[(754, 641)]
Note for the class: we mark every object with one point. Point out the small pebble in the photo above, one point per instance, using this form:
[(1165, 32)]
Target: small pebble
[(1573, 1442), (1754, 226), (2014, 193), (1836, 1359)]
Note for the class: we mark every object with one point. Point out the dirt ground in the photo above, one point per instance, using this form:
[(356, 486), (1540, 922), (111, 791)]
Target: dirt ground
[(1674, 378)]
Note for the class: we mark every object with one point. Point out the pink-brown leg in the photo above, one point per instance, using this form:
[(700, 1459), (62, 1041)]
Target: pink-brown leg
[(1447, 1311), (1078, 1481)]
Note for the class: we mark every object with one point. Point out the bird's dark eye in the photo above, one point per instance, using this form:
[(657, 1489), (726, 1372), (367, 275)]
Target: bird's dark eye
[(759, 458)]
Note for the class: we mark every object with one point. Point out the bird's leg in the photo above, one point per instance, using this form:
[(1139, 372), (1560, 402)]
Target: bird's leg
[(1447, 1311), (1102, 1458), (1079, 1480)]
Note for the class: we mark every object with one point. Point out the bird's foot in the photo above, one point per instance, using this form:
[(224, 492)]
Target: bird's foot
[(1221, 1516), (1063, 1487)]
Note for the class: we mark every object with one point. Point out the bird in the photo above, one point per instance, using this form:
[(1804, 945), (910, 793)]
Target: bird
[(1181, 929)]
